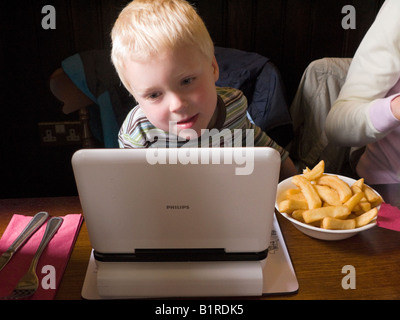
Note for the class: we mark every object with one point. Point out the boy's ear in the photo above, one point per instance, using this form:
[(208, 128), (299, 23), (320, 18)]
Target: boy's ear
[(215, 68)]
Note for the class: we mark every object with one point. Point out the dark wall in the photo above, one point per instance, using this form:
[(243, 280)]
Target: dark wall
[(291, 32)]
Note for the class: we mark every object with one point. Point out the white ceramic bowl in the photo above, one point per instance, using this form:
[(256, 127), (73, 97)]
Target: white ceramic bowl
[(316, 232)]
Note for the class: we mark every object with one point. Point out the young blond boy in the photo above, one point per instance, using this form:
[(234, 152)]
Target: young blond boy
[(164, 56)]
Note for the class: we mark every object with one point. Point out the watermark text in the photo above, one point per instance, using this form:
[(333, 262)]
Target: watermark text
[(232, 153), (349, 20), (49, 20), (349, 280)]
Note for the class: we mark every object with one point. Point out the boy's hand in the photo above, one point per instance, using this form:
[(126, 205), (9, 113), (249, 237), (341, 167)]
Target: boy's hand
[(288, 169)]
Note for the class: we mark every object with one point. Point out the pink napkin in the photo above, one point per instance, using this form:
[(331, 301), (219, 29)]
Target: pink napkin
[(52, 263), (388, 217)]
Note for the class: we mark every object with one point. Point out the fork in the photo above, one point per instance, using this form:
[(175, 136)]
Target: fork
[(29, 283)]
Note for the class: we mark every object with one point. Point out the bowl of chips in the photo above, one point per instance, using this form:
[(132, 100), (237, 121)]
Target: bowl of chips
[(327, 206)]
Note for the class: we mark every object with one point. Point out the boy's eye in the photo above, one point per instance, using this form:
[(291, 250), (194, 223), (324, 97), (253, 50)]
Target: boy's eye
[(153, 96), (187, 81)]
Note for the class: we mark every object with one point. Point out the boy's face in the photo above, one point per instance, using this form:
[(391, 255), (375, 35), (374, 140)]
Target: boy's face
[(176, 90)]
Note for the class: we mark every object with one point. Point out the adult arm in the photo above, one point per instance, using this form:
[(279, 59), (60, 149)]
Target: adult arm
[(362, 113)]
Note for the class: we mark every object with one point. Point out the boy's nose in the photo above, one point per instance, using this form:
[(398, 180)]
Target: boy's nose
[(176, 103)]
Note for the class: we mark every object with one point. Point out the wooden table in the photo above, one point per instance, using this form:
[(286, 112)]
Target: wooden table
[(374, 254)]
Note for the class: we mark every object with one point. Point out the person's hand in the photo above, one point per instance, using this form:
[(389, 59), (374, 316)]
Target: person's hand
[(395, 106), (288, 169)]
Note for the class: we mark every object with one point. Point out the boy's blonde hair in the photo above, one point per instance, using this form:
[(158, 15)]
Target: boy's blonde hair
[(147, 27)]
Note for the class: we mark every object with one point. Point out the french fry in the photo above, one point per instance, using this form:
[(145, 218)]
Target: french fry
[(359, 184), (377, 202), (362, 206), (290, 205), (370, 194), (366, 217), (328, 195), (293, 191), (354, 200), (307, 169), (317, 214), (341, 187), (338, 224), (298, 215), (295, 194), (315, 172), (365, 206), (309, 192)]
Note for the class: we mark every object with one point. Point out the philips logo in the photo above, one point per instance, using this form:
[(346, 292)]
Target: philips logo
[(177, 207)]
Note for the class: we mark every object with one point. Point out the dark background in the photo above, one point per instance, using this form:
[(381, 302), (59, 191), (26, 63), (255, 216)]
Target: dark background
[(290, 32)]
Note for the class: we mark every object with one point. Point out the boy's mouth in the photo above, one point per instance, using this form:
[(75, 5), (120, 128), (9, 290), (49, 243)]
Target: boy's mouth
[(188, 122)]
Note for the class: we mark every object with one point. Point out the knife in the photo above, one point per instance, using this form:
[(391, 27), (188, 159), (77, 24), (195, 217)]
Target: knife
[(30, 228)]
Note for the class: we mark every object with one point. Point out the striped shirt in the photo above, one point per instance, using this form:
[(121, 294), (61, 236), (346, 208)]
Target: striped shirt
[(232, 129)]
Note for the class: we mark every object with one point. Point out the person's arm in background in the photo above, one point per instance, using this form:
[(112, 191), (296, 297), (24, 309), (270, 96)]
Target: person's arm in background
[(361, 113)]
